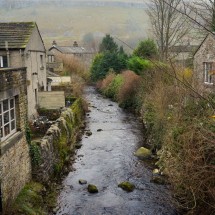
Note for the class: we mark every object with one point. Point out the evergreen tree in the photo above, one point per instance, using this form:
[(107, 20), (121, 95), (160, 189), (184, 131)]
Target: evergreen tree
[(108, 44)]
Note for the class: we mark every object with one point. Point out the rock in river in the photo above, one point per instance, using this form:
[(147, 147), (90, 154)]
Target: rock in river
[(88, 133), (92, 188), (129, 187), (143, 153), (82, 181)]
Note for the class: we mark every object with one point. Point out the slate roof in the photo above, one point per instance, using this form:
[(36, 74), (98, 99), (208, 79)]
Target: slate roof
[(17, 34), (70, 49)]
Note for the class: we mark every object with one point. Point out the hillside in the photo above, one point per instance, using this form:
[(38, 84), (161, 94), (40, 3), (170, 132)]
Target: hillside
[(66, 23)]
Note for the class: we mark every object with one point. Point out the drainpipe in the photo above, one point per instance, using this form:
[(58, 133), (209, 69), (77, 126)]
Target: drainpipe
[(8, 54)]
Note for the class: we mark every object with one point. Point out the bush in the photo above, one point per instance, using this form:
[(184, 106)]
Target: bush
[(138, 65), (146, 49), (113, 88), (127, 94)]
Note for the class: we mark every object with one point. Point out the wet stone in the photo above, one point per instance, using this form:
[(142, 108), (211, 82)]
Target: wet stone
[(127, 186), (82, 181), (92, 188), (98, 130), (78, 145), (158, 180), (89, 133)]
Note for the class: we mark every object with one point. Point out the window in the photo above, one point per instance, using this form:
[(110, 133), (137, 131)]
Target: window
[(208, 73), (7, 118), (3, 61), (41, 62)]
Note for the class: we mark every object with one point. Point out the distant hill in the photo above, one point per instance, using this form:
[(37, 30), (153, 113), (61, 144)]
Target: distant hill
[(84, 21)]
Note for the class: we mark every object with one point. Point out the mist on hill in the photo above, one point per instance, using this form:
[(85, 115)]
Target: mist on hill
[(84, 21)]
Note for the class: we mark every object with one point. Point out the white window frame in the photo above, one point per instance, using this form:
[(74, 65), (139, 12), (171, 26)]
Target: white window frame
[(6, 129), (1, 61), (208, 67)]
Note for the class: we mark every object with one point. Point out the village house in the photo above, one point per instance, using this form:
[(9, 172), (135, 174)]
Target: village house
[(54, 63), (15, 163), (204, 64), (21, 45)]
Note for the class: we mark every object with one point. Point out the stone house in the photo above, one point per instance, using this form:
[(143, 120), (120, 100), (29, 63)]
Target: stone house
[(204, 64), (15, 163), (21, 45), (75, 50)]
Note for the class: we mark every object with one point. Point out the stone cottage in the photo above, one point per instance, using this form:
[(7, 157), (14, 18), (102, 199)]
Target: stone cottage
[(204, 64), (15, 164), (21, 45), (75, 50)]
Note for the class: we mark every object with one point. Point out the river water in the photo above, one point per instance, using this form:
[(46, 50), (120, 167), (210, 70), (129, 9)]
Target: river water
[(106, 159)]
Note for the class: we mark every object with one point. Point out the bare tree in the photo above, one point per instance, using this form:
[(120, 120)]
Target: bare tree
[(169, 26), (201, 13)]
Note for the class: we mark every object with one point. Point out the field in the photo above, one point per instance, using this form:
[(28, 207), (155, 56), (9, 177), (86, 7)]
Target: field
[(66, 24)]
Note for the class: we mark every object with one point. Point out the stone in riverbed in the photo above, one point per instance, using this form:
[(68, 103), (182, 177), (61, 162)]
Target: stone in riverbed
[(127, 186), (82, 181), (89, 133), (92, 188), (98, 130), (158, 180), (143, 153), (78, 145)]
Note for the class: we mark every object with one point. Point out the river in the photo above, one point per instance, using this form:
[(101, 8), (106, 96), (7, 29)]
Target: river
[(106, 159)]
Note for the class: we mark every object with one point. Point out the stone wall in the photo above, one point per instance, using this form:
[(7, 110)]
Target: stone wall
[(15, 164), (56, 146)]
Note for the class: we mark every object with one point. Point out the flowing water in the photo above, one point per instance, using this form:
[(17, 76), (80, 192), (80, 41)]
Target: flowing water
[(106, 159)]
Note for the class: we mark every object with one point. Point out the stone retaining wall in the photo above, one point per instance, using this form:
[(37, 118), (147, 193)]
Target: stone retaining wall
[(56, 146)]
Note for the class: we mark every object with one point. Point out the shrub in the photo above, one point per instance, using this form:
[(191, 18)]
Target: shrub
[(107, 81), (146, 49), (74, 66), (127, 94), (138, 65), (113, 88)]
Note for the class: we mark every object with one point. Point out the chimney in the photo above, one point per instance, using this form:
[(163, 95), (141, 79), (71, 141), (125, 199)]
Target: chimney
[(54, 43), (75, 44)]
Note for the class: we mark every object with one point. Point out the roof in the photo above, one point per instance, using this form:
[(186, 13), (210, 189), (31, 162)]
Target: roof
[(69, 49), (213, 36), (17, 34)]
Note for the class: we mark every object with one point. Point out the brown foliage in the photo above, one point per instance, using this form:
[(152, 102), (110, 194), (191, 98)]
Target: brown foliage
[(130, 86), (106, 82), (74, 65)]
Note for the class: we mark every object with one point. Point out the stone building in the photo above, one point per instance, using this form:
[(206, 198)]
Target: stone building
[(21, 45), (204, 64), (56, 51), (15, 164)]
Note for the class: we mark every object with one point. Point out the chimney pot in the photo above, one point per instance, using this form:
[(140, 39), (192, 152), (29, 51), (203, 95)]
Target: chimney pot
[(54, 43), (75, 44)]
